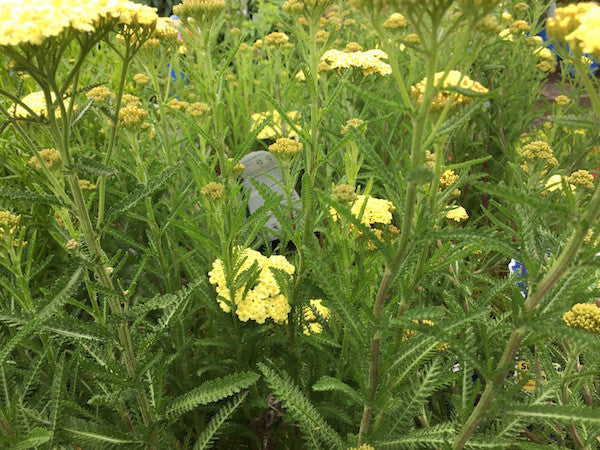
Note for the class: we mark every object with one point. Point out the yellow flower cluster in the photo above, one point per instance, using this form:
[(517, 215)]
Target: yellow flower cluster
[(278, 127), (555, 182), (262, 301), (141, 78), (369, 61), (213, 190), (166, 32), (202, 11), (537, 149), (520, 26), (454, 79), (198, 109), (276, 39), (353, 123), (100, 94), (322, 36), (429, 159), (51, 158), (8, 221), (308, 313), (583, 316), (87, 185), (457, 214), (579, 25), (582, 178), (562, 100), (395, 21), (376, 210), (132, 117), (302, 6), (547, 61), (352, 47), (285, 147), (34, 21), (131, 100), (343, 193), (448, 178), (37, 103)]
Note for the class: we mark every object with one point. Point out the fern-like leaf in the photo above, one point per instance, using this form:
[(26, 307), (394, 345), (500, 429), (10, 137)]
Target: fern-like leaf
[(211, 391), (211, 432), (326, 383), (35, 438), (311, 422)]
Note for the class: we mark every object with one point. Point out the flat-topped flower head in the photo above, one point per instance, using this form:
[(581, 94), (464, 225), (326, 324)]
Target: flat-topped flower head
[(457, 214), (395, 21), (582, 178), (583, 316), (132, 117), (276, 39), (50, 157), (204, 12), (369, 62), (454, 79), (262, 300), (277, 127), (8, 222), (213, 190), (578, 24), (448, 178), (34, 21), (285, 147), (376, 210), (36, 101)]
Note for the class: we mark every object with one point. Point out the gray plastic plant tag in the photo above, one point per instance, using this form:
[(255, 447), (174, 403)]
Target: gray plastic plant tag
[(262, 167)]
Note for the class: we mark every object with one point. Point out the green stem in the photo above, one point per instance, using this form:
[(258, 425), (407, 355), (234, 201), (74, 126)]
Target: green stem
[(417, 160), (548, 281), (113, 133)]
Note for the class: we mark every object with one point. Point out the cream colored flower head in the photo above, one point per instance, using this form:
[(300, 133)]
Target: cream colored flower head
[(369, 62), (454, 79), (34, 21), (285, 147), (36, 101), (261, 301), (457, 214), (278, 127), (376, 210)]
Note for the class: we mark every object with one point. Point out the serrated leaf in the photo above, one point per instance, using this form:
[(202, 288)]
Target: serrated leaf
[(28, 197), (311, 422), (211, 391), (210, 433), (555, 413), (140, 193), (34, 438), (327, 383), (90, 167)]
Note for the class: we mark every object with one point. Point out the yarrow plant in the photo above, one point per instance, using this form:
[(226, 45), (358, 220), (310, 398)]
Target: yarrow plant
[(288, 224)]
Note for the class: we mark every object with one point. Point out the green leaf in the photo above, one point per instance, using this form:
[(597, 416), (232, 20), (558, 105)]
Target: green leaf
[(35, 438), (60, 295), (296, 404), (90, 167), (554, 413), (26, 196), (211, 432), (326, 383), (140, 194), (211, 391), (438, 436)]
